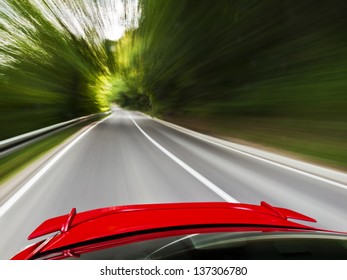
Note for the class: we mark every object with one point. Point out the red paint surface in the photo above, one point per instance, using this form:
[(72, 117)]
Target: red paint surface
[(148, 221)]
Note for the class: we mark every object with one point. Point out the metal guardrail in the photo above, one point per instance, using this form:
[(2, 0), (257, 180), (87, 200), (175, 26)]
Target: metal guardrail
[(11, 142)]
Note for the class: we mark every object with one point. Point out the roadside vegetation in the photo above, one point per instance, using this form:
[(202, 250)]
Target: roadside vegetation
[(269, 72), (54, 64), (13, 162)]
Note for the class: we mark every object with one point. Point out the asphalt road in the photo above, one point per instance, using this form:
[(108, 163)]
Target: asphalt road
[(129, 159)]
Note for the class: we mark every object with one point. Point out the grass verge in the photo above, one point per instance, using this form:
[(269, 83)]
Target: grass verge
[(16, 161), (318, 142)]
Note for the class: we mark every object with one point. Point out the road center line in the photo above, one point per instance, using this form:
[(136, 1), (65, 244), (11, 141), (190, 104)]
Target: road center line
[(10, 202), (189, 169)]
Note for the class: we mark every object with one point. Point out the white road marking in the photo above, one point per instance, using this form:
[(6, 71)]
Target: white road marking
[(184, 130), (189, 169), (9, 203)]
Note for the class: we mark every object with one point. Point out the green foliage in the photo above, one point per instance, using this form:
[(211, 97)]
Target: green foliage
[(239, 58), (272, 72), (49, 72)]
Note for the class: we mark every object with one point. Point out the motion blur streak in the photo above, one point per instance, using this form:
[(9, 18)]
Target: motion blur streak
[(55, 59), (270, 72)]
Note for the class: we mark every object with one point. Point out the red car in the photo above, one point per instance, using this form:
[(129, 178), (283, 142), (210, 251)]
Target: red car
[(207, 230)]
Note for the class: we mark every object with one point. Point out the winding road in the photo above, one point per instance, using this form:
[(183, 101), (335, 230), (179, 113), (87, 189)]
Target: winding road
[(129, 158)]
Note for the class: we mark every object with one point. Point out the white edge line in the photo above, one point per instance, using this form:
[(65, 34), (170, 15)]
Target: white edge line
[(185, 166), (183, 130), (13, 199)]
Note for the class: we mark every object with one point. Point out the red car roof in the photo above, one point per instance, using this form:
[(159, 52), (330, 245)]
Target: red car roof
[(120, 220)]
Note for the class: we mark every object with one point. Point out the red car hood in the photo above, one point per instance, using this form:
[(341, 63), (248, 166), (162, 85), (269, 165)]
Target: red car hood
[(158, 219)]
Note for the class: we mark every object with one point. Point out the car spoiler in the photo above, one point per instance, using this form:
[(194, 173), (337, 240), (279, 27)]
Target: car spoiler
[(65, 222)]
